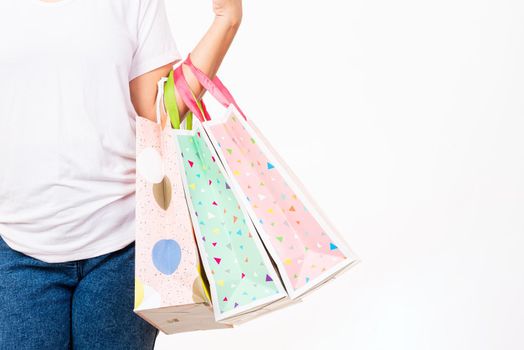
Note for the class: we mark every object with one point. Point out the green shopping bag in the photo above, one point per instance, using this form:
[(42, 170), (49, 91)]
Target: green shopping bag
[(243, 281)]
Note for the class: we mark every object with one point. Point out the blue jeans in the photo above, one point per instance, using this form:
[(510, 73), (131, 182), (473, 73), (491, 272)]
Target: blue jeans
[(82, 304)]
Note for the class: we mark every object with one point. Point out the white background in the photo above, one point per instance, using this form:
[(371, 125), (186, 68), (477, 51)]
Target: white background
[(405, 121)]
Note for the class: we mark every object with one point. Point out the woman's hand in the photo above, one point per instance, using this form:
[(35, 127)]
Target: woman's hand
[(228, 10), (207, 55)]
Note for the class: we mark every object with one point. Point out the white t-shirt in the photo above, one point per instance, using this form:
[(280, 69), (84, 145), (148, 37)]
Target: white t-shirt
[(67, 124)]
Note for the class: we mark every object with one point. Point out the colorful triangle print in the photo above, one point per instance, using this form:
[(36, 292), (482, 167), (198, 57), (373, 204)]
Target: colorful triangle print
[(237, 267)]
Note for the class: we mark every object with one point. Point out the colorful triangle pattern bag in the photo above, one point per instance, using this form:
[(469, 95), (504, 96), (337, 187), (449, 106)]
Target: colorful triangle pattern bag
[(243, 281), (305, 246)]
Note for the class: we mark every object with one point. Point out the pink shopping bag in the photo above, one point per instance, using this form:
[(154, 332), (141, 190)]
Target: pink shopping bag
[(305, 245), (170, 292)]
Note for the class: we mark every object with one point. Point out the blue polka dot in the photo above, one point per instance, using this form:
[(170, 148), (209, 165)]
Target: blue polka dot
[(166, 256)]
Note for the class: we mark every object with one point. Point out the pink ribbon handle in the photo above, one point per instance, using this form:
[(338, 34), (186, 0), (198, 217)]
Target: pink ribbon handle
[(187, 96), (214, 86)]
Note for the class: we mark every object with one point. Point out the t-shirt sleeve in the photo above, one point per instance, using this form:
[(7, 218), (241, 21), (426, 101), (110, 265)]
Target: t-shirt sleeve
[(155, 43)]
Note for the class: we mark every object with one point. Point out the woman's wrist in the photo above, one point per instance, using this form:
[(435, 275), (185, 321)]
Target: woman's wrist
[(230, 21)]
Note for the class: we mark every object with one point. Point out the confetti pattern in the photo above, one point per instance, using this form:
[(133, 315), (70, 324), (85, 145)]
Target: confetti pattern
[(304, 248), (237, 269)]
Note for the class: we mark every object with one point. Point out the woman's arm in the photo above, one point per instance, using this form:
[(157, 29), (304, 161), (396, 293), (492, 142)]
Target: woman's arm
[(207, 56)]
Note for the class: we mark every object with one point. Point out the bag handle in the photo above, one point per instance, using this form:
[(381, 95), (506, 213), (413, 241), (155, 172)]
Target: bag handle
[(160, 101), (214, 86), (195, 106), (171, 105)]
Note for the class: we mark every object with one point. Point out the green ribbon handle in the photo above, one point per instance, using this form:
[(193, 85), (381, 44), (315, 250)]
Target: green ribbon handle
[(172, 107), (174, 115)]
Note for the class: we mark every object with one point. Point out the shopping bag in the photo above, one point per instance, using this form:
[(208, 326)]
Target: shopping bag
[(170, 292), (243, 281), (304, 244)]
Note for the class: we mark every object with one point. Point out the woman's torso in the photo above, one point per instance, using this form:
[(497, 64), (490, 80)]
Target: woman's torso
[(66, 124)]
